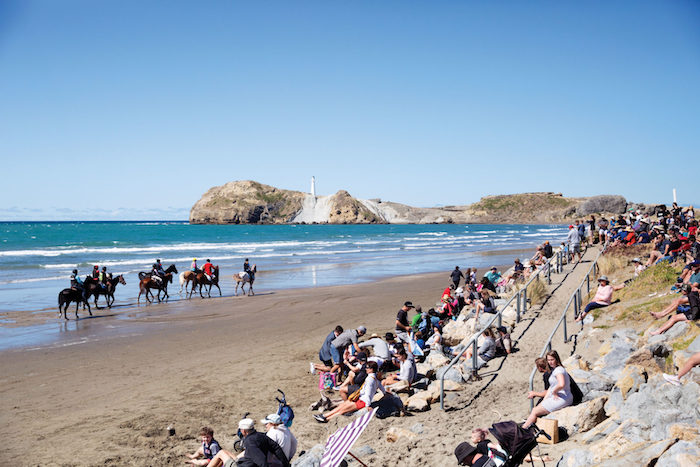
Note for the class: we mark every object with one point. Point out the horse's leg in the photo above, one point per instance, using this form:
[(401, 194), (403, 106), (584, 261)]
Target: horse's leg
[(88, 305), (250, 289), (235, 292), (217, 286)]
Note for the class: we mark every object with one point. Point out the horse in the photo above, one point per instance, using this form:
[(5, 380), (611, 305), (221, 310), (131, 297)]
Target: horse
[(201, 280), (147, 283), (66, 296), (242, 278), (185, 278), (94, 288)]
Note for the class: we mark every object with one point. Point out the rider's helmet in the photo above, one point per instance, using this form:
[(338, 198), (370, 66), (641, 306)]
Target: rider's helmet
[(194, 259), (96, 267), (75, 271), (207, 260), (157, 261), (104, 268)]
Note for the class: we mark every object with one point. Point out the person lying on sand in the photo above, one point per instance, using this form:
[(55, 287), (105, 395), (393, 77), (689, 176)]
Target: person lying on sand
[(209, 448), (688, 308), (367, 392)]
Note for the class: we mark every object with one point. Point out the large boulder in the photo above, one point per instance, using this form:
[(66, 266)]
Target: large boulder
[(419, 402), (615, 204), (630, 435), (576, 458), (600, 431), (631, 378), (453, 374), (394, 433), (582, 417), (435, 360), (644, 455), (681, 454)]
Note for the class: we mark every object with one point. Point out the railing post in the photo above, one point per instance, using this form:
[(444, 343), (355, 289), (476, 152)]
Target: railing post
[(588, 283), (525, 299), (517, 307), (576, 308), (500, 319), (474, 356), (566, 338), (549, 273)]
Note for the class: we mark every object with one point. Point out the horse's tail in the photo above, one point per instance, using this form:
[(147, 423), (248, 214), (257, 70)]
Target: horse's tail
[(182, 279)]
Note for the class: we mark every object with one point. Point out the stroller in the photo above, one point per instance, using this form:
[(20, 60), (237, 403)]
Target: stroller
[(516, 441), (283, 410)]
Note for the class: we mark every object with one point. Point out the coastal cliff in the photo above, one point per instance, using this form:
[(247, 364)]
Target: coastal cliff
[(249, 202)]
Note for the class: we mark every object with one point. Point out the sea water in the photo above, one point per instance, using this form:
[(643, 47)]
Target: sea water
[(36, 258)]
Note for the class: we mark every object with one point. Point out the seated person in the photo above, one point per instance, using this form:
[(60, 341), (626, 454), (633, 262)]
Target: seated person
[(485, 352), (504, 344), (602, 298), (435, 341), (380, 348), (356, 376), (684, 313), (367, 392), (207, 450), (694, 360), (257, 446), (407, 369), (485, 304), (558, 395), (278, 432)]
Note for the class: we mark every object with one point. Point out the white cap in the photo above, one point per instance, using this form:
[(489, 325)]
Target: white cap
[(246, 424)]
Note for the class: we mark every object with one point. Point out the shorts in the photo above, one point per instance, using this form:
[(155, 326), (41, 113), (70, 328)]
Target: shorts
[(335, 355), (353, 387), (360, 405), (575, 248), (327, 362)]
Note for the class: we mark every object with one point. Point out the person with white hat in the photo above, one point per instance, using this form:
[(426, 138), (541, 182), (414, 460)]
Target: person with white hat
[(602, 298), (277, 431), (256, 447)]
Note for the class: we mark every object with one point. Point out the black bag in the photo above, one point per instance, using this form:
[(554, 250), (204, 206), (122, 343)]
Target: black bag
[(575, 391)]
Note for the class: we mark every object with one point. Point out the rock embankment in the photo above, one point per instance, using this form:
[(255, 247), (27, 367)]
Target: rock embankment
[(249, 202)]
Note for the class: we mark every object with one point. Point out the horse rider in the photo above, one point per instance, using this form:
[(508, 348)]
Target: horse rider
[(96, 273), (103, 277), (155, 274), (247, 270), (76, 283), (193, 266), (161, 271), (208, 270)]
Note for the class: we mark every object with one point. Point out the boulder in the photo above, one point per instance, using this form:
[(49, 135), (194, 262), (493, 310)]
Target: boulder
[(631, 378), (421, 384), (453, 374), (365, 450), (394, 433), (457, 331), (590, 395), (400, 386), (599, 382), (509, 317), (418, 402), (576, 458), (694, 346), (436, 360), (681, 454), (600, 431), (311, 458), (630, 435), (683, 431), (615, 401), (449, 386), (643, 456), (677, 330), (645, 358), (614, 204), (425, 369), (582, 417)]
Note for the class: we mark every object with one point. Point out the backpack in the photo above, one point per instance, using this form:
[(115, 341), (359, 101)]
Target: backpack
[(575, 391), (286, 414)]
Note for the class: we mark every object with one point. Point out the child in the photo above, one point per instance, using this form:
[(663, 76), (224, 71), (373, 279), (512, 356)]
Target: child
[(207, 450)]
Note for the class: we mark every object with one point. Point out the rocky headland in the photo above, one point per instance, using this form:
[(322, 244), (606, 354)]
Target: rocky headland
[(249, 202)]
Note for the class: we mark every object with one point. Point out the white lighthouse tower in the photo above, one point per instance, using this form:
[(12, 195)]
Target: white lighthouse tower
[(313, 187)]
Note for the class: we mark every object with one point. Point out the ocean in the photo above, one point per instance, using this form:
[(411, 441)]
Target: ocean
[(36, 258)]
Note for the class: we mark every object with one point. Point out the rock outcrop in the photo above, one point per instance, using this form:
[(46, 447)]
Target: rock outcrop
[(249, 202)]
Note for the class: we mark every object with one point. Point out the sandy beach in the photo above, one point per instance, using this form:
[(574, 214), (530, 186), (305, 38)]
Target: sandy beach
[(107, 396)]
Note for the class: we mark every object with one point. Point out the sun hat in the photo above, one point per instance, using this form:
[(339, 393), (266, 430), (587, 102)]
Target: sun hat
[(272, 418), (362, 329), (636, 260), (464, 450), (494, 267), (603, 278), (389, 336), (246, 424), (408, 304), (374, 334)]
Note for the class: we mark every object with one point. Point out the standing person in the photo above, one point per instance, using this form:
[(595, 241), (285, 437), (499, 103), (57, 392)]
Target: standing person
[(574, 241), (325, 354), (206, 452), (456, 275), (547, 248), (208, 270), (558, 395), (581, 227), (340, 343), (280, 434), (402, 325)]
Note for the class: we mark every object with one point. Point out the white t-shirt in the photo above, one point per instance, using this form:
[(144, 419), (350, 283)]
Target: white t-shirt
[(282, 436), (407, 371), (369, 388)]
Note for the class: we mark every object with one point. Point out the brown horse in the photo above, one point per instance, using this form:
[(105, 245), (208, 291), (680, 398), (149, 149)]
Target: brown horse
[(245, 278), (201, 280), (185, 278), (94, 288), (148, 283)]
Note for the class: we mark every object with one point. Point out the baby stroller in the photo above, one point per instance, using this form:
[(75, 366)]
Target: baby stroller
[(283, 410), (516, 441)]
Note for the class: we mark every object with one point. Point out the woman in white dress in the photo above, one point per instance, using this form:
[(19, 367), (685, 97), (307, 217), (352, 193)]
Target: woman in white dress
[(557, 396)]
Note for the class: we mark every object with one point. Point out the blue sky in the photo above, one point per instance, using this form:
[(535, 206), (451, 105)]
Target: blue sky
[(132, 110)]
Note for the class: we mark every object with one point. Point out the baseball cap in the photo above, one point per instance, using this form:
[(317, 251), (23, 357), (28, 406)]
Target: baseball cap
[(272, 418), (246, 424), (408, 304), (362, 356), (362, 329), (389, 336)]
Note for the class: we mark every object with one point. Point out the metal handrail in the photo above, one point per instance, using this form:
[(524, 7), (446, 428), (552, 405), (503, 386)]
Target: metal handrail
[(521, 301), (576, 299)]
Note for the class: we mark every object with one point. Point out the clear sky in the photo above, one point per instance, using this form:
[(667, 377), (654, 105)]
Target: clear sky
[(132, 109)]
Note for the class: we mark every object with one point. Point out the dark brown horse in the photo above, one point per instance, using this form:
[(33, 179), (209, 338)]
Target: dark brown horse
[(93, 287), (148, 283), (66, 296), (201, 281), (242, 279)]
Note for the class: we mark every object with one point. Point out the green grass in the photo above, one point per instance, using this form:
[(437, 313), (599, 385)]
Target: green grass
[(602, 326), (656, 278)]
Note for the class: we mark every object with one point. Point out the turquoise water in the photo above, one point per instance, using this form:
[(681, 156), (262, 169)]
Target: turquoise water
[(36, 258)]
